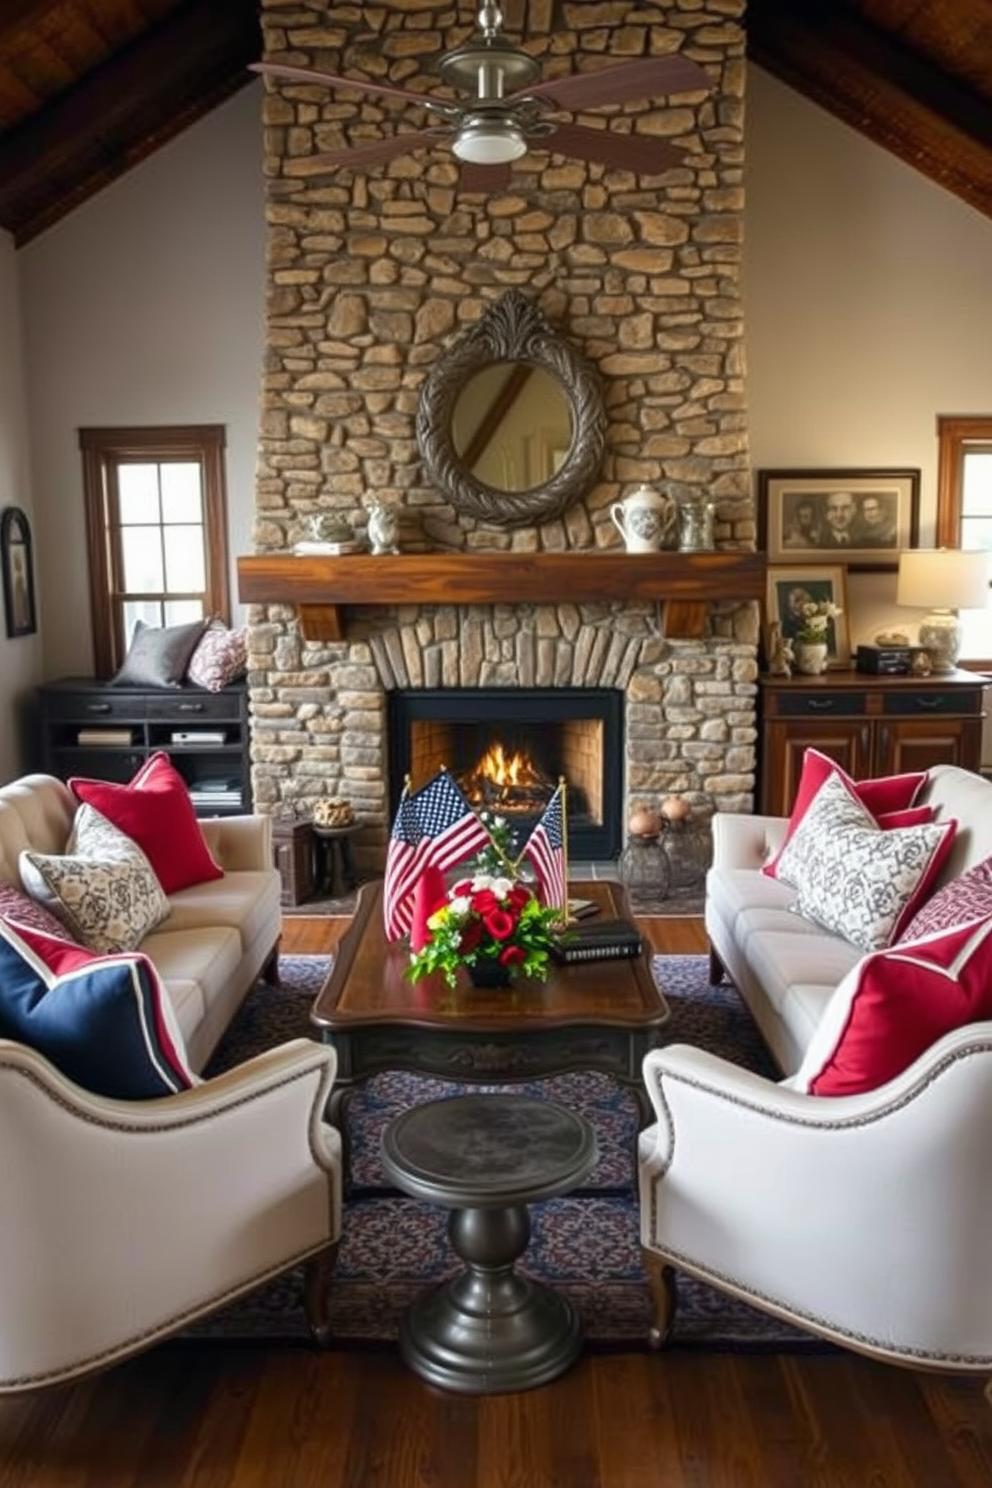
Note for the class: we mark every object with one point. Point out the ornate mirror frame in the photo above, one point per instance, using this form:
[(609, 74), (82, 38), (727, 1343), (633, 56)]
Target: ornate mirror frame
[(511, 330)]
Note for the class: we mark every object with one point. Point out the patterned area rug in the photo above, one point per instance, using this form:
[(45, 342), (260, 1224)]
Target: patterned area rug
[(585, 1244)]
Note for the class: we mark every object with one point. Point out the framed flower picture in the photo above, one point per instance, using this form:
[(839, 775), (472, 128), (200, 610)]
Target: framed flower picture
[(861, 518), (794, 593)]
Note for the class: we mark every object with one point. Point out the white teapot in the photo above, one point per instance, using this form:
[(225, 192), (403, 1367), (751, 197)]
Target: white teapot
[(646, 520)]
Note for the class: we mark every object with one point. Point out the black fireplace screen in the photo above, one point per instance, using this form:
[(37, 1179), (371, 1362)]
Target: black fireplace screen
[(509, 747)]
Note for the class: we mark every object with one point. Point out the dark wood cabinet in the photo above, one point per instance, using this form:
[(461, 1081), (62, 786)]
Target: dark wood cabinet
[(869, 725), (91, 728)]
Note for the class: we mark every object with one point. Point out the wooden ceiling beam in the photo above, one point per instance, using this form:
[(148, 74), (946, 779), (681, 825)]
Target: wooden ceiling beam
[(20, 15), (930, 120), (117, 115)]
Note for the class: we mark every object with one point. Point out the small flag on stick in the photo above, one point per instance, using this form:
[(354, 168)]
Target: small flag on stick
[(434, 827), (545, 850)]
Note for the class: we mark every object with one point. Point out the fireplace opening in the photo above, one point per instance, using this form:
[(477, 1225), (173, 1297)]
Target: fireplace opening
[(509, 747)]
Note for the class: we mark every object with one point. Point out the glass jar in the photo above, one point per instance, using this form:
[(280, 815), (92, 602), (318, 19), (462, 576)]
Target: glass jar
[(645, 872)]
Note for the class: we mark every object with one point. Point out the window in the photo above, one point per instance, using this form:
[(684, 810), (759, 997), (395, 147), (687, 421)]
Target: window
[(156, 524), (964, 512)]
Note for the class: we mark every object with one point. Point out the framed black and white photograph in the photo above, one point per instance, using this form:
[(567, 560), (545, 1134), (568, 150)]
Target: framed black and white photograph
[(792, 592), (861, 518), (18, 573)]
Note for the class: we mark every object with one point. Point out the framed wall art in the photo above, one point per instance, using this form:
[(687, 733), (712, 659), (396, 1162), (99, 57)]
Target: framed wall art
[(861, 518), (18, 573), (789, 590)]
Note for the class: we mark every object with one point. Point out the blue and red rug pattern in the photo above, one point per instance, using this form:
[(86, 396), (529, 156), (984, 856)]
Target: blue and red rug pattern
[(585, 1244)]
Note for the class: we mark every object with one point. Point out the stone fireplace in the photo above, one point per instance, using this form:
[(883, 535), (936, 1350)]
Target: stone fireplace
[(370, 277), (508, 748)]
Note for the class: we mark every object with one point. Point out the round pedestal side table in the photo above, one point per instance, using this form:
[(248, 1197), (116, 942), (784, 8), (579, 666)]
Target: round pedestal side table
[(486, 1158)]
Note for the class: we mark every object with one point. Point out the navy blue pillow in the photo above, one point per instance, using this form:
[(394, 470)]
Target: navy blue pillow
[(104, 1021)]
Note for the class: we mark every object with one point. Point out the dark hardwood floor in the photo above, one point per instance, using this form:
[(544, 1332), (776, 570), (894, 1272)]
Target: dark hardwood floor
[(222, 1416)]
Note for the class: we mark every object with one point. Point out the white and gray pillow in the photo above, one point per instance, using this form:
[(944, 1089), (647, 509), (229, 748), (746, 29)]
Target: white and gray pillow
[(102, 887), (854, 878)]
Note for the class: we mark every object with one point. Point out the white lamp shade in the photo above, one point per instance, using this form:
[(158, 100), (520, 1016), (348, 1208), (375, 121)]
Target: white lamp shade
[(943, 579)]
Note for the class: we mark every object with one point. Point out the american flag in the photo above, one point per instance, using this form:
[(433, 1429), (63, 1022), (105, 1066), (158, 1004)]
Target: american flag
[(545, 849), (434, 826)]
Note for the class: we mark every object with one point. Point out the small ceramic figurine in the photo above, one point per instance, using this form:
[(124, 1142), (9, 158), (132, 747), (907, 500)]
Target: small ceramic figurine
[(384, 527), (780, 654)]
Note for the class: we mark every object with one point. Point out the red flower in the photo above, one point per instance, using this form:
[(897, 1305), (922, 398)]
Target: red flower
[(518, 896), (511, 954), (484, 901), (461, 889), (499, 924), (470, 937)]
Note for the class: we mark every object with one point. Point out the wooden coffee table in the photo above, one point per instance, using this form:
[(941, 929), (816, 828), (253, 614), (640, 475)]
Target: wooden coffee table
[(599, 1015)]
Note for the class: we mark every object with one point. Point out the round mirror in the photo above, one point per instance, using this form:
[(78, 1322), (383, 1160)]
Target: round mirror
[(511, 424)]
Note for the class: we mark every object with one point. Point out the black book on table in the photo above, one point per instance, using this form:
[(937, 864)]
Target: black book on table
[(601, 940)]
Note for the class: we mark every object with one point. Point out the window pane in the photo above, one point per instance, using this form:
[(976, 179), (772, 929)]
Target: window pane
[(145, 609), (182, 495), (976, 480), (184, 562), (976, 532), (182, 611), (141, 550), (137, 488)]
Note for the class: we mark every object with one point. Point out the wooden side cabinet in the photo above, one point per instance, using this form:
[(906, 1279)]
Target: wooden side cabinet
[(91, 728), (869, 725)]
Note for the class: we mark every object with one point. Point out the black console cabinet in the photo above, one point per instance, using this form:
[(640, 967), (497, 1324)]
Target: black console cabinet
[(106, 733)]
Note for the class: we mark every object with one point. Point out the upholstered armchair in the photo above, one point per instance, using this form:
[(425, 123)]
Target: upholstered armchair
[(864, 1219), (123, 1221)]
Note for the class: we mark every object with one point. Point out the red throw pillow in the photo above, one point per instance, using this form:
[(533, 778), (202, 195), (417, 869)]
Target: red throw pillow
[(155, 811), (889, 798), (894, 1004)]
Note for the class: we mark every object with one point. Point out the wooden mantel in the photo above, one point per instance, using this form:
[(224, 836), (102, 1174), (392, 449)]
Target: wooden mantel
[(682, 584)]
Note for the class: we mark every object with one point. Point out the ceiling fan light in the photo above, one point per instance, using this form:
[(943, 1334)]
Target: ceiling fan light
[(484, 142)]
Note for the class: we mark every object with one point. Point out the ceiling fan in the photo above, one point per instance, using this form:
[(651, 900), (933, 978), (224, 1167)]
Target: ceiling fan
[(505, 109)]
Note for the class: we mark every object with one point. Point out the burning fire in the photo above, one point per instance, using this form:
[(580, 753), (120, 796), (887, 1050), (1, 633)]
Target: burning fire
[(510, 771), (506, 779)]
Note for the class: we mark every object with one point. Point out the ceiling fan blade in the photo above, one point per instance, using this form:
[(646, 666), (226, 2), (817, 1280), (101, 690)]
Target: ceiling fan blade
[(644, 154), (371, 152), (647, 77), (355, 85), (484, 178)]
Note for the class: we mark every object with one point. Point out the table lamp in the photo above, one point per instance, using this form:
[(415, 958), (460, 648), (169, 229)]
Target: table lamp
[(943, 580)]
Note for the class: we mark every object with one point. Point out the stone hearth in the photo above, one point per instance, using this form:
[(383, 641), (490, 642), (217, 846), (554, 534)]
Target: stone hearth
[(370, 277)]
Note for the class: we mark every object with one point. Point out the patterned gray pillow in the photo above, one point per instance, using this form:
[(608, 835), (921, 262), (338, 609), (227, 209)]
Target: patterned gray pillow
[(854, 878), (103, 887)]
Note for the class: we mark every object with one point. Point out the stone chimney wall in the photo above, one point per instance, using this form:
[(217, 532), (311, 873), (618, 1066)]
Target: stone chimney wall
[(372, 273)]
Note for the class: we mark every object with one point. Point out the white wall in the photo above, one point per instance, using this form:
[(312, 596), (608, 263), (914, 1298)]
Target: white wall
[(868, 311), (20, 657), (145, 306)]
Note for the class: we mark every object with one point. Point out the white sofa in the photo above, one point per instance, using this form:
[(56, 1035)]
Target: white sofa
[(862, 1218), (219, 937), (786, 967), (124, 1221)]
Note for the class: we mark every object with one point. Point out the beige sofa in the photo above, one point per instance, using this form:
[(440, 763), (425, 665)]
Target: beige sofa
[(786, 967), (124, 1221), (218, 937), (863, 1217)]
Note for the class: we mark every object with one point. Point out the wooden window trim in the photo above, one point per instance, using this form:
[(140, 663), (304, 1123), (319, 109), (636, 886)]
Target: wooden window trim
[(100, 447), (954, 434)]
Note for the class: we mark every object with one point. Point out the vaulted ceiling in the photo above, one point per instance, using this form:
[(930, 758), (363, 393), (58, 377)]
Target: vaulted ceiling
[(90, 87)]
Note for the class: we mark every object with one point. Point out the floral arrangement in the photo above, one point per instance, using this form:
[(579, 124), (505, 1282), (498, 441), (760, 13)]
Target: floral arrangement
[(816, 616), (500, 853), (488, 918)]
